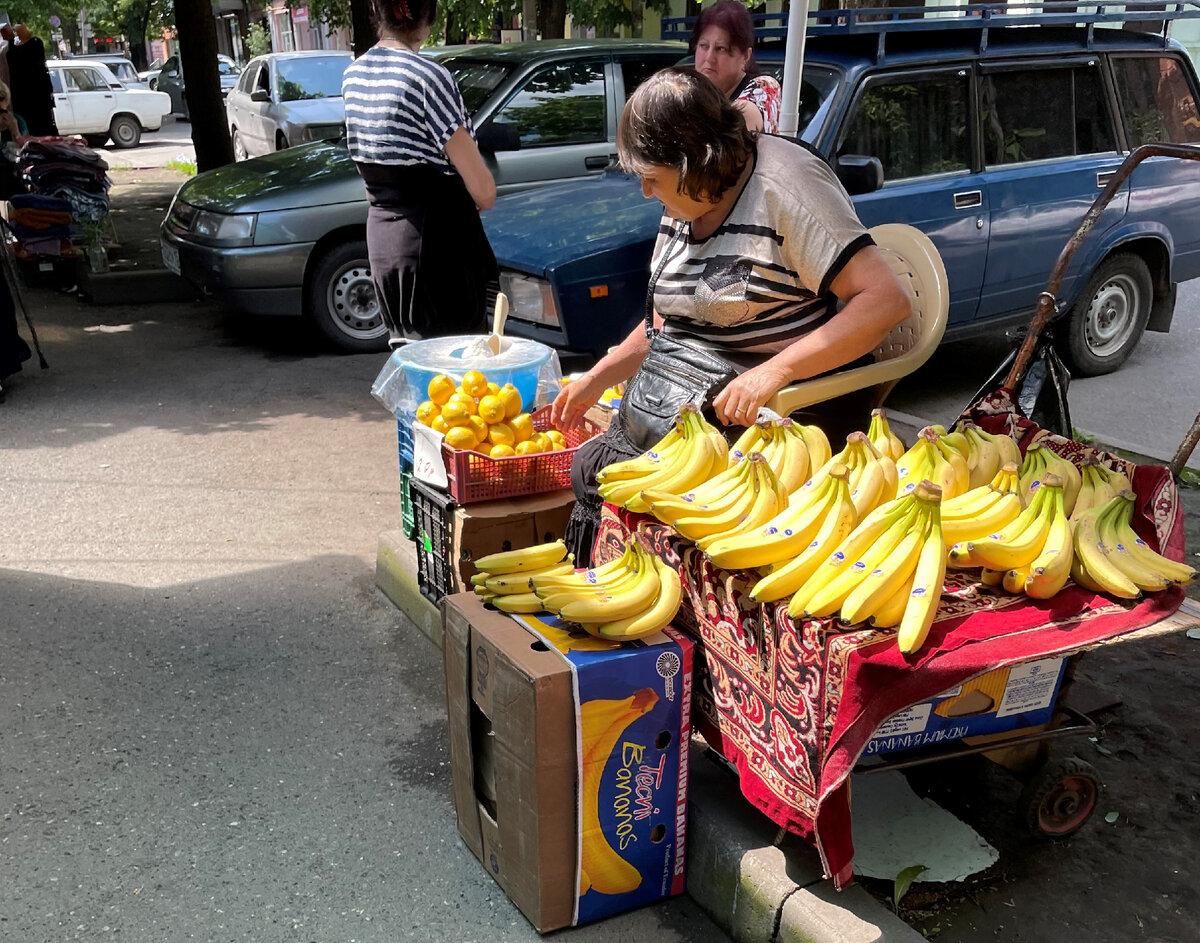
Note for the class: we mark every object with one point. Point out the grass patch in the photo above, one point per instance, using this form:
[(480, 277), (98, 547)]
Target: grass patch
[(182, 166)]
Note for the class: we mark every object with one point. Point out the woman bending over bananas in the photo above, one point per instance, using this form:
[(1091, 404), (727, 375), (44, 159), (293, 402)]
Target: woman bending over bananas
[(763, 261)]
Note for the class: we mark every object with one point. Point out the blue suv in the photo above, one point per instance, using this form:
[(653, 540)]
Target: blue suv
[(992, 131)]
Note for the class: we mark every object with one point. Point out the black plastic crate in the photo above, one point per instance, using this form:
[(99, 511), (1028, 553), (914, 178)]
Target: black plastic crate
[(433, 523)]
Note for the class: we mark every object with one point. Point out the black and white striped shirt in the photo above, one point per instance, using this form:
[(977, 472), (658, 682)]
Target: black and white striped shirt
[(401, 108), (761, 280)]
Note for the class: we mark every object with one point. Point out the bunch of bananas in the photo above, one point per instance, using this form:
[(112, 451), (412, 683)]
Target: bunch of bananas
[(790, 448), (985, 510), (788, 533), (1033, 554), (872, 476), (693, 451), (1111, 558), (930, 458), (1099, 485), (985, 453), (742, 498), (1040, 461), (890, 569), (829, 517), (633, 596), (880, 433), (503, 579), (602, 723)]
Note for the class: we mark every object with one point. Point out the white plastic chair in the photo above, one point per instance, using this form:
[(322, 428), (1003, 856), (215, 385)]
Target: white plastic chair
[(917, 263)]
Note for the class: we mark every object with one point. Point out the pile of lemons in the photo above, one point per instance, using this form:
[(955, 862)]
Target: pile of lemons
[(484, 417)]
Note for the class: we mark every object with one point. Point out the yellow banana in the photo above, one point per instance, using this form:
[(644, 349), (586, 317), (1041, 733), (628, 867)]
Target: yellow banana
[(833, 555), (748, 503), (817, 444), (1041, 460), (1129, 542), (660, 452), (870, 490), (621, 602), (1145, 578), (779, 539), (886, 442), (594, 576), (891, 612), (793, 467), (749, 441), (769, 500), (521, 582), (889, 575), (785, 579), (915, 465), (1014, 580), (1115, 479), (527, 558), (519, 602), (985, 459), (602, 724), (991, 577), (928, 581), (834, 580), (1048, 573), (987, 520), (1095, 570), (669, 508), (654, 619), (1015, 547)]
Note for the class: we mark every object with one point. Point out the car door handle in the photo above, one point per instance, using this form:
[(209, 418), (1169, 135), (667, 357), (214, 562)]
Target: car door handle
[(967, 199), (596, 163), (1103, 177)]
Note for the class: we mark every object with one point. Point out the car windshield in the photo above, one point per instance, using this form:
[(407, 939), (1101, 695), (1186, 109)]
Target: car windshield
[(226, 68), (476, 80), (317, 77)]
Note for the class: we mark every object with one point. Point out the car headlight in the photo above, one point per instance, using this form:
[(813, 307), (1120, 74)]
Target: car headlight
[(529, 299), (226, 229), (322, 132)]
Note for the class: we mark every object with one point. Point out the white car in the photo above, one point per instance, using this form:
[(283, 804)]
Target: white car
[(89, 100)]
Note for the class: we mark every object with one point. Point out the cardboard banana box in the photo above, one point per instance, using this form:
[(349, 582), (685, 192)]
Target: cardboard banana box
[(569, 760), (1005, 699)]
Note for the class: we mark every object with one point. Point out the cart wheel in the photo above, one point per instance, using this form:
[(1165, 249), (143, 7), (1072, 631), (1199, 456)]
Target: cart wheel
[(1060, 797)]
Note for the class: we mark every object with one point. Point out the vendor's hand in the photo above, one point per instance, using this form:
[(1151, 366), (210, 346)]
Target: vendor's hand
[(738, 403), (575, 399)]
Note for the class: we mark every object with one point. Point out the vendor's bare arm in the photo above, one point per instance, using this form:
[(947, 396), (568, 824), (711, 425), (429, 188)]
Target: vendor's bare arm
[(464, 155), (875, 302), (617, 366)]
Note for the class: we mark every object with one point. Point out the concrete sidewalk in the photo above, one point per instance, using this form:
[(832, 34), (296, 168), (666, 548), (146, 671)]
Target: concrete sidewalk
[(756, 881)]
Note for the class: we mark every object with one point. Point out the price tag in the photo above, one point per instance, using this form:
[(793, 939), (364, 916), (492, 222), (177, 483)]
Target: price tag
[(428, 465)]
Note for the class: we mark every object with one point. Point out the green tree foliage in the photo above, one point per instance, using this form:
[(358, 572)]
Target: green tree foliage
[(610, 15), (258, 40), (134, 19), (36, 14)]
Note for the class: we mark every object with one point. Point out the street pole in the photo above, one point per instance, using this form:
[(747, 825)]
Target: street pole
[(793, 67)]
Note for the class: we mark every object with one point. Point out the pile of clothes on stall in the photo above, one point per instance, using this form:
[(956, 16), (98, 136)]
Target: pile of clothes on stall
[(66, 195)]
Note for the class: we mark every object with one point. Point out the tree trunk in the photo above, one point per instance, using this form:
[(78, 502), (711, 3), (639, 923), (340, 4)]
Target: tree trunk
[(197, 38), (552, 18), (361, 26)]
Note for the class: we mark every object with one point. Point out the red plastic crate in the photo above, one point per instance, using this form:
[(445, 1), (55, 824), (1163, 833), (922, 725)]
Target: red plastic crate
[(477, 477)]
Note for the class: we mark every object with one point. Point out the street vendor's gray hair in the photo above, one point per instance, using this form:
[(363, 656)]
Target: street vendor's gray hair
[(678, 118)]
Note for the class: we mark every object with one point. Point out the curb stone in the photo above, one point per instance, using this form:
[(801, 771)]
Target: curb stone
[(757, 886)]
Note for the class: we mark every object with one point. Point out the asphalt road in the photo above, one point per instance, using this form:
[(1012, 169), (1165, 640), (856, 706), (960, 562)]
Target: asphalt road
[(173, 142), (213, 727)]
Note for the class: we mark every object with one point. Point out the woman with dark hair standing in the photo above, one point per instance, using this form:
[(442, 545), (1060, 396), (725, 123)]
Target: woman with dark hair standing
[(723, 44), (760, 259), (411, 138)]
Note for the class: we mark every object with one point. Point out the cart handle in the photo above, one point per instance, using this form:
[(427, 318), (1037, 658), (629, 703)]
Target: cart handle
[(1047, 302)]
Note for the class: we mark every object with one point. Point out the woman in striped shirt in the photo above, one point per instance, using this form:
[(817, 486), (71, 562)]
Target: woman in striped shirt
[(409, 134), (762, 260)]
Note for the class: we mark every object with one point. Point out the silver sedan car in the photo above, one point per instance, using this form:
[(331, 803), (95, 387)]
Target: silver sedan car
[(287, 98)]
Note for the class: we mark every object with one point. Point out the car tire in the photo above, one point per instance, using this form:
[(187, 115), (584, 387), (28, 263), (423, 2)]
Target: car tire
[(96, 141), (1109, 318), (125, 131), (153, 83), (281, 142), (239, 147), (340, 300)]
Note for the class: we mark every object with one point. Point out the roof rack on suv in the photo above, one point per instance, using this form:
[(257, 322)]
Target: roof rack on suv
[(972, 16)]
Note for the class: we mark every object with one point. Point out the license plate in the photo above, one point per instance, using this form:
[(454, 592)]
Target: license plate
[(170, 256)]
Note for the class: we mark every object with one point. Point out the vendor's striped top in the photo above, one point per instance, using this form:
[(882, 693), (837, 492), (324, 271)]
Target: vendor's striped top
[(401, 108)]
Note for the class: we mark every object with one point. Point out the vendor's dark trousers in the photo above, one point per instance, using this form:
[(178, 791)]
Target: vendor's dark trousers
[(394, 251)]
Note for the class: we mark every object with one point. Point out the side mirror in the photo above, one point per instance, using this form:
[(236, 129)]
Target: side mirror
[(859, 173), (260, 95), (498, 136)]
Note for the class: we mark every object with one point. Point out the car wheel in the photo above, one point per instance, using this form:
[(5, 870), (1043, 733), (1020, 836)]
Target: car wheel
[(239, 147), (280, 142), (125, 131), (1110, 316), (153, 83), (341, 301), (96, 140)]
